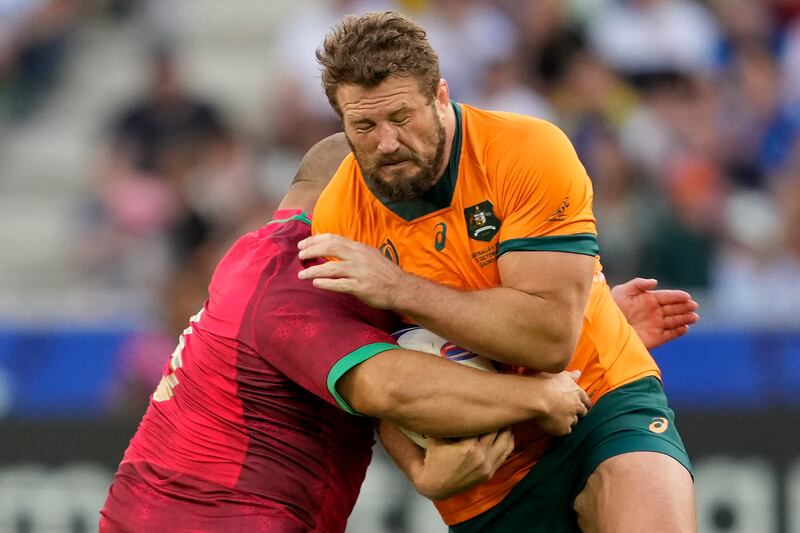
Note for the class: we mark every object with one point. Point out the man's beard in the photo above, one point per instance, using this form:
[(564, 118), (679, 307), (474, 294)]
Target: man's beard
[(402, 188)]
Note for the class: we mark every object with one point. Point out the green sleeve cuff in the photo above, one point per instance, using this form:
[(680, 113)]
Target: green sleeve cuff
[(581, 243), (349, 361)]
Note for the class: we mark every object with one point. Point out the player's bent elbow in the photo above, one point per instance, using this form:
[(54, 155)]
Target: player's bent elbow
[(554, 360), (559, 353)]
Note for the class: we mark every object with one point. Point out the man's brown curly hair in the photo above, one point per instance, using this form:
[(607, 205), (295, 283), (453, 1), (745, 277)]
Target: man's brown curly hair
[(366, 50)]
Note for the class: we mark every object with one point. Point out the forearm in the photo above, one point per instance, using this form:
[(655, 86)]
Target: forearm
[(504, 324), (431, 395), (532, 319), (447, 467), (406, 455)]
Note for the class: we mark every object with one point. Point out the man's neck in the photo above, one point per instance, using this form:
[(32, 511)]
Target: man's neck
[(449, 133)]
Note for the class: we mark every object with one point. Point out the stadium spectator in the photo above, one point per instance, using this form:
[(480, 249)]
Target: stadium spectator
[(34, 41), (458, 29), (759, 127), (163, 147), (644, 37)]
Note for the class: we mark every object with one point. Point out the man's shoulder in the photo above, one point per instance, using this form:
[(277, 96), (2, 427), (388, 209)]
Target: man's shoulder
[(253, 252), (501, 133), (342, 199), (343, 180), (503, 121)]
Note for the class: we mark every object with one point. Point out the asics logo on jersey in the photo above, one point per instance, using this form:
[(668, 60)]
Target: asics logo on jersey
[(658, 425), (482, 223), (388, 250), (440, 239)]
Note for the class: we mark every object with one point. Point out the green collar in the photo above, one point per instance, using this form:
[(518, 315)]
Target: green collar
[(302, 217), (441, 194)]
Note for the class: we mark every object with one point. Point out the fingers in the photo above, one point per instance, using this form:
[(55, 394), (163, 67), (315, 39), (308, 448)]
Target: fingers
[(487, 438), (673, 322), (504, 445), (679, 308), (644, 284), (585, 400), (671, 334), (500, 449), (666, 297), (324, 245), (318, 240), (329, 269), (343, 285)]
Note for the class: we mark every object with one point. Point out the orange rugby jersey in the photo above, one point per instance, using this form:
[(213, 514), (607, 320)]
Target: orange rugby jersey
[(513, 183)]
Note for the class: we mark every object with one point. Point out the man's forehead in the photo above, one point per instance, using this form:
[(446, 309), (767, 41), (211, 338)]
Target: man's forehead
[(388, 97)]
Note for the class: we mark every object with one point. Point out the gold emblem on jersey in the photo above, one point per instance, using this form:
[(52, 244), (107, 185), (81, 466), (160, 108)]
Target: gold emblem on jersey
[(560, 213), (482, 223), (388, 250), (658, 425)]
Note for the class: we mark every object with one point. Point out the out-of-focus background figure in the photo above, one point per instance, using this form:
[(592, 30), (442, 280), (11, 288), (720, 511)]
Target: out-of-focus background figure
[(138, 138)]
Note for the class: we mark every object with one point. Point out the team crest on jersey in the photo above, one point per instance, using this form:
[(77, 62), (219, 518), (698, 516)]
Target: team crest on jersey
[(482, 223), (390, 252)]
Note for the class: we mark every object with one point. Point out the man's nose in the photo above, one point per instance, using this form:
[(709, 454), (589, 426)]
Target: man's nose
[(388, 141)]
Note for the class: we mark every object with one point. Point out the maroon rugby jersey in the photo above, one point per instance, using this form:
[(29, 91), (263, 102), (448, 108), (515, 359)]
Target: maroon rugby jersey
[(246, 432)]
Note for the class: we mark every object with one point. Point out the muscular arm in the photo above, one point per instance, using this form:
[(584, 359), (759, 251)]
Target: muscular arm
[(533, 320), (390, 386), (447, 467)]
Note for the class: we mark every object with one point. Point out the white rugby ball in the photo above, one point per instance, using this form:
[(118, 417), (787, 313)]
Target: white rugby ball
[(422, 340)]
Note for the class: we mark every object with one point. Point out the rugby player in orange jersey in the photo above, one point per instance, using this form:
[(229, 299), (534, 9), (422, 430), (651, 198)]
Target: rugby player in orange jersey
[(490, 215)]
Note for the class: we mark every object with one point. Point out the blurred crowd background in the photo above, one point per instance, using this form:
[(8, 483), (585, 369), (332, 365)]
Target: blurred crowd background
[(139, 138)]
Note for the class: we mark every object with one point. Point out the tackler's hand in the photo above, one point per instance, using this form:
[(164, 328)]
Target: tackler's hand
[(453, 466), (357, 269)]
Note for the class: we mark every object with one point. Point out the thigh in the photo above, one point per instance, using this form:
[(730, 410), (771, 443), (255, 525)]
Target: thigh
[(638, 491)]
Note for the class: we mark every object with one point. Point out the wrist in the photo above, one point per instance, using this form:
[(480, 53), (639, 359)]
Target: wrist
[(421, 482), (432, 490), (538, 396), (409, 293)]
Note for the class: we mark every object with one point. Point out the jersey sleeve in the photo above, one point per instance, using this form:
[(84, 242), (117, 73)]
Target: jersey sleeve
[(544, 193), (314, 336)]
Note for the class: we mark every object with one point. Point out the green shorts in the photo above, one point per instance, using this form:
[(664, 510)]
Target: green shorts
[(632, 418)]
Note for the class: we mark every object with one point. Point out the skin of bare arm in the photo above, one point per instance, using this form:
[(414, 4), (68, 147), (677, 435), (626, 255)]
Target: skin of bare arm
[(447, 467), (534, 322), (455, 400)]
